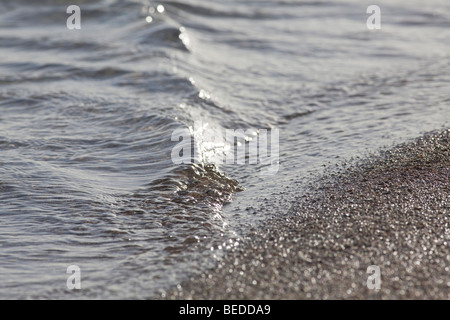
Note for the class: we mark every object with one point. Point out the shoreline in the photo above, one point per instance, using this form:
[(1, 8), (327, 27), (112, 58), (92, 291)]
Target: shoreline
[(390, 210)]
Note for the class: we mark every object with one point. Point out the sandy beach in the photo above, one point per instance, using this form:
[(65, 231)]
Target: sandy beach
[(209, 149), (390, 210)]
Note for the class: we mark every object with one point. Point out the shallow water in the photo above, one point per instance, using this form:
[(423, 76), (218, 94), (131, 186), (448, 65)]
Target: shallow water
[(87, 116)]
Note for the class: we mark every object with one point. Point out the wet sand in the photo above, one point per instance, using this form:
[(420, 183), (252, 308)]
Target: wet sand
[(391, 210)]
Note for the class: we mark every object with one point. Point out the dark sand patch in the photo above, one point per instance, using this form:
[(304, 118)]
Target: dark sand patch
[(391, 210)]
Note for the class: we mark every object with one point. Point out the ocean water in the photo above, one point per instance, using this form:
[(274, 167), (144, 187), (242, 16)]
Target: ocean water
[(87, 175)]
